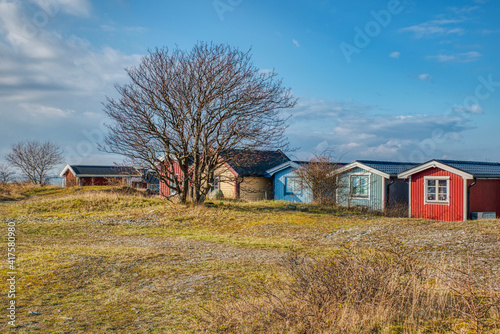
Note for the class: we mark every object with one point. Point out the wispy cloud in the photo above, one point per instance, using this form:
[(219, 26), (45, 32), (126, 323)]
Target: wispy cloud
[(465, 57), (424, 77), (464, 10), (296, 43), (38, 110), (473, 109), (49, 83), (395, 54), (490, 31), (357, 130), (434, 28)]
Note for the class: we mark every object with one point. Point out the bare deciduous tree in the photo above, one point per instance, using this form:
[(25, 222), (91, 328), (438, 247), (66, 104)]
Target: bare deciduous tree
[(319, 177), (194, 108), (35, 159), (6, 174)]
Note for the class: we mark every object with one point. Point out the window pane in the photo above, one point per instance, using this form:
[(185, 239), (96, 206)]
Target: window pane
[(442, 190), (442, 183), (431, 197), (431, 183), (289, 185), (292, 185), (431, 190), (442, 197), (359, 185)]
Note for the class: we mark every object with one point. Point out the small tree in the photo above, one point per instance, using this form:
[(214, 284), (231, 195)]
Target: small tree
[(195, 110), (6, 174), (35, 159), (319, 177)]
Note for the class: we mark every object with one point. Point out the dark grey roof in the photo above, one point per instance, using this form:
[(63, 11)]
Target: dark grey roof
[(389, 167), (256, 163), (476, 168), (104, 170), (340, 164)]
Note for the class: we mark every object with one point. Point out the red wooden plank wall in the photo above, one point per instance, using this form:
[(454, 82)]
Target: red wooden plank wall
[(485, 196), (451, 212), (164, 189)]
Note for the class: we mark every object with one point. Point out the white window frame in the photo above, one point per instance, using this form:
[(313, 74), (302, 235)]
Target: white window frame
[(369, 185), (437, 179), (297, 181)]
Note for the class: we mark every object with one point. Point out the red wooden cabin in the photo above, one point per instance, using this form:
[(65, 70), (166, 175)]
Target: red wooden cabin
[(452, 190), (84, 175)]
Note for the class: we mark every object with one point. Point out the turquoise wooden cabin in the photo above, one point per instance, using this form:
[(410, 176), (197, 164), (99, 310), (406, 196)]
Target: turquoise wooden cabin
[(372, 184)]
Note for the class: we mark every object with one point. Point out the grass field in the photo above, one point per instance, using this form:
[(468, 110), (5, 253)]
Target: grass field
[(103, 259)]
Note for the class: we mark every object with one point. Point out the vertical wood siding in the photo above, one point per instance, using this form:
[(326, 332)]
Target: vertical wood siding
[(377, 185), (485, 196), (279, 188), (70, 179), (164, 189), (95, 181), (447, 212)]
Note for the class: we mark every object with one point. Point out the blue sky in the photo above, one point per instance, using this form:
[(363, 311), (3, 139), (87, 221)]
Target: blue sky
[(386, 80)]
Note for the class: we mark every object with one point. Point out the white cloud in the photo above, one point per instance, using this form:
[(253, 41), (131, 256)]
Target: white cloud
[(472, 109), (465, 57), (38, 110), (434, 28), (464, 10), (395, 54), (51, 84), (357, 131), (295, 42), (424, 77)]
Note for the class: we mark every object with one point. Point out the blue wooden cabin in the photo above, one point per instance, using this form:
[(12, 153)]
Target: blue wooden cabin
[(286, 184)]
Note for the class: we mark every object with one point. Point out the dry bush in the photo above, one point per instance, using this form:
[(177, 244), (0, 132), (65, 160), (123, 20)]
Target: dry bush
[(318, 177), (477, 292), (379, 291)]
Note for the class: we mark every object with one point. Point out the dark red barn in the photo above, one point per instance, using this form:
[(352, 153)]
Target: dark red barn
[(85, 175), (452, 190)]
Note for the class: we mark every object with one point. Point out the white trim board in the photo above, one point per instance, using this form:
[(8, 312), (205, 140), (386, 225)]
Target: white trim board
[(357, 164), (434, 164)]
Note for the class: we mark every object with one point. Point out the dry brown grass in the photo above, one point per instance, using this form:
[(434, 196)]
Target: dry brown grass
[(388, 291), (97, 259), (14, 191)]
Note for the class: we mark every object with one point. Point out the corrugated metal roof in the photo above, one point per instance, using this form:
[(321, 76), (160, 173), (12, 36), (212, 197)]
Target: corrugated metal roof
[(104, 170), (477, 168), (390, 167)]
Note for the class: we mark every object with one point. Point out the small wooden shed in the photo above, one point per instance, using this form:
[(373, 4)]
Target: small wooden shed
[(92, 175), (452, 190), (373, 184), (287, 186)]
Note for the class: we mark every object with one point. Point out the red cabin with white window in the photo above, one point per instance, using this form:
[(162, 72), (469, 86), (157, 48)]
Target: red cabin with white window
[(453, 190)]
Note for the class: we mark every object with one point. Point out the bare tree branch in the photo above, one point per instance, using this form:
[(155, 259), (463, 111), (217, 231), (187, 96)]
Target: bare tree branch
[(319, 177), (193, 109), (6, 174), (35, 159)]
